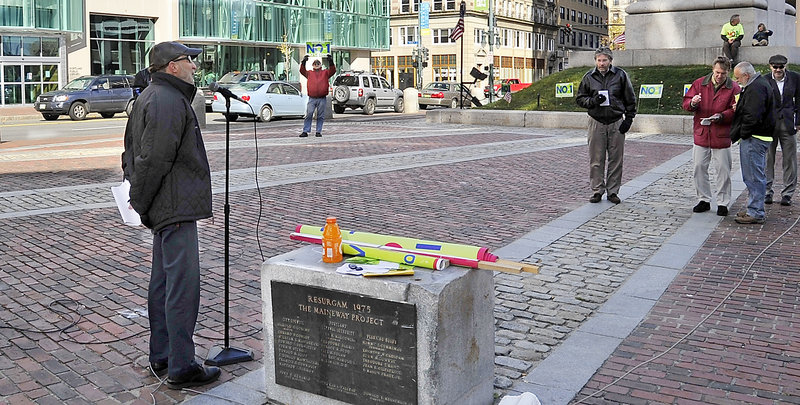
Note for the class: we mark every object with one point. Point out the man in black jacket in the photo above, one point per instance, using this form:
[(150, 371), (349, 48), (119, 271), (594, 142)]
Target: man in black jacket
[(786, 86), (607, 93), (165, 161), (753, 125)]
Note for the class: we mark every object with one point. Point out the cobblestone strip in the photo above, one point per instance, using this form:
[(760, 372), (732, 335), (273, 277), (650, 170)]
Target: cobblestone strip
[(33, 202), (580, 271)]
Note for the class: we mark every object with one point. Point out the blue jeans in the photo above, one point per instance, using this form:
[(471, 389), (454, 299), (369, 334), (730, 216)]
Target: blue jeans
[(753, 157), (314, 104)]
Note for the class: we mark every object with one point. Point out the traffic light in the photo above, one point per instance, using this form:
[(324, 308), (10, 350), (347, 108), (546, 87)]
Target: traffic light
[(568, 29), (424, 57)]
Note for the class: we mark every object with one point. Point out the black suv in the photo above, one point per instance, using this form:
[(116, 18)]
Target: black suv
[(105, 94)]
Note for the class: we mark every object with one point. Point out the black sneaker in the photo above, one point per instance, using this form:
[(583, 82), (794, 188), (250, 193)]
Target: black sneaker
[(702, 206), (722, 211), (786, 201), (199, 375), (614, 199), (159, 368), (768, 199), (595, 198), (304, 134), (318, 135)]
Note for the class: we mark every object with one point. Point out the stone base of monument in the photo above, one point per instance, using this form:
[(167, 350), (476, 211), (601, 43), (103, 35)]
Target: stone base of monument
[(756, 55), (341, 339)]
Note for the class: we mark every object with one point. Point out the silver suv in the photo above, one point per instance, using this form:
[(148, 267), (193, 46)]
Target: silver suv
[(356, 89)]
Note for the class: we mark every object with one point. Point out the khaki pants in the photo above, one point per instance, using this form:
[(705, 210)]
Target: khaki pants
[(605, 141), (721, 163)]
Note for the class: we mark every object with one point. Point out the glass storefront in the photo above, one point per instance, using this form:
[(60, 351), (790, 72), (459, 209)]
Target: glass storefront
[(119, 45), (346, 24), (61, 15), (29, 66), (216, 60)]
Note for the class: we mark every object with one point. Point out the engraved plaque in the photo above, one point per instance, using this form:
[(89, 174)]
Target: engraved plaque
[(344, 346)]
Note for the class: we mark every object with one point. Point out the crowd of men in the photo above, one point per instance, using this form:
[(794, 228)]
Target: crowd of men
[(759, 112)]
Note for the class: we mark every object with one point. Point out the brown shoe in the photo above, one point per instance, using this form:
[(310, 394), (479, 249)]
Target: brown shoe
[(741, 214), (614, 198), (595, 198), (747, 219)]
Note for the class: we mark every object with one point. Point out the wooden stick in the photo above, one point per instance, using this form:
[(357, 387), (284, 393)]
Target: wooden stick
[(526, 267)]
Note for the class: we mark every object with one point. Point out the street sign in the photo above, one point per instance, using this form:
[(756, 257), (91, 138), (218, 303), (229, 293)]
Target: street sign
[(651, 90), (318, 48), (565, 90)]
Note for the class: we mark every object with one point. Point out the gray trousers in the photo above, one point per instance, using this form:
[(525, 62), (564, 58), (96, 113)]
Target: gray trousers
[(605, 140), (173, 298), (788, 144), (721, 159)]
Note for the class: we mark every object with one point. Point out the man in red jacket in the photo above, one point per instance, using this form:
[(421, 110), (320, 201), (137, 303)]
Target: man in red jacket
[(317, 87), (711, 98)]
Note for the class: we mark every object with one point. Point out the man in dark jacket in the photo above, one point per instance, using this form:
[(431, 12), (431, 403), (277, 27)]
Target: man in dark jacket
[(317, 88), (607, 93), (786, 86), (165, 161), (753, 125), (141, 81), (712, 98)]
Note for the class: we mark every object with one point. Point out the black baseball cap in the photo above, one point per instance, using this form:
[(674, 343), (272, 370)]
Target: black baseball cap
[(165, 52)]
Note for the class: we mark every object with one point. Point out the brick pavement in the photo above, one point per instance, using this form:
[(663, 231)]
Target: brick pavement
[(481, 185)]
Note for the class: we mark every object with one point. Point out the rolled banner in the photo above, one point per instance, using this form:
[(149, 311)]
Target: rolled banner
[(376, 252), (452, 251)]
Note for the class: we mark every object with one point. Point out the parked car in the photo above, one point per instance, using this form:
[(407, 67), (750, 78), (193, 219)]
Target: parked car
[(444, 94), (512, 85), (265, 100), (369, 91), (236, 77), (105, 94)]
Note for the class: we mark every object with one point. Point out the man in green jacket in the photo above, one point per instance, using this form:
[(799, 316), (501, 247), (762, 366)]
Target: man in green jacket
[(732, 34)]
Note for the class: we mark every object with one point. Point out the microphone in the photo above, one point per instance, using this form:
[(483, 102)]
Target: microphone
[(216, 88)]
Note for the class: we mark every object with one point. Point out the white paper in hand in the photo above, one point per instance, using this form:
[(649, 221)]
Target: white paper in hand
[(122, 197)]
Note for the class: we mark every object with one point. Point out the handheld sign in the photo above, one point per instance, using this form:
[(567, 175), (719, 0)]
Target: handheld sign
[(651, 90), (318, 48), (564, 89), (686, 88)]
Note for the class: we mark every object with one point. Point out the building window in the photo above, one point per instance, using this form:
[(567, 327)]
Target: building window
[(408, 35), (561, 13), (442, 36), (444, 68), (444, 5), (119, 45), (405, 6)]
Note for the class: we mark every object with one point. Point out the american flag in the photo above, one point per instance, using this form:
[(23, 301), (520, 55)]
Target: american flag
[(458, 31), (620, 39), (507, 97)]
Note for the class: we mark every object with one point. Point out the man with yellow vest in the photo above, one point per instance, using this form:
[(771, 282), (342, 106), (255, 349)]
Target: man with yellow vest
[(753, 125), (732, 34)]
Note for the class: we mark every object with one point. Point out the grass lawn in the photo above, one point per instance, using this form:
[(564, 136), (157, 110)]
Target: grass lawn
[(541, 95)]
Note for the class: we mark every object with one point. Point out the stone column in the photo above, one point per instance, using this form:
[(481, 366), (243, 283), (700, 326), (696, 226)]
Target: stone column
[(676, 24)]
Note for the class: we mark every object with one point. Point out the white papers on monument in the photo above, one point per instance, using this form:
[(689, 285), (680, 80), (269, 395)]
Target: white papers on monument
[(122, 197)]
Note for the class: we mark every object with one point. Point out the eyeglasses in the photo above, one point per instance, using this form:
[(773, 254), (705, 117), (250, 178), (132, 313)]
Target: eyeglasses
[(189, 58), (778, 67)]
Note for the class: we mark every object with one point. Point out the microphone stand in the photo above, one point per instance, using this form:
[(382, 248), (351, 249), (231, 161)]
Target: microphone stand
[(220, 356)]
